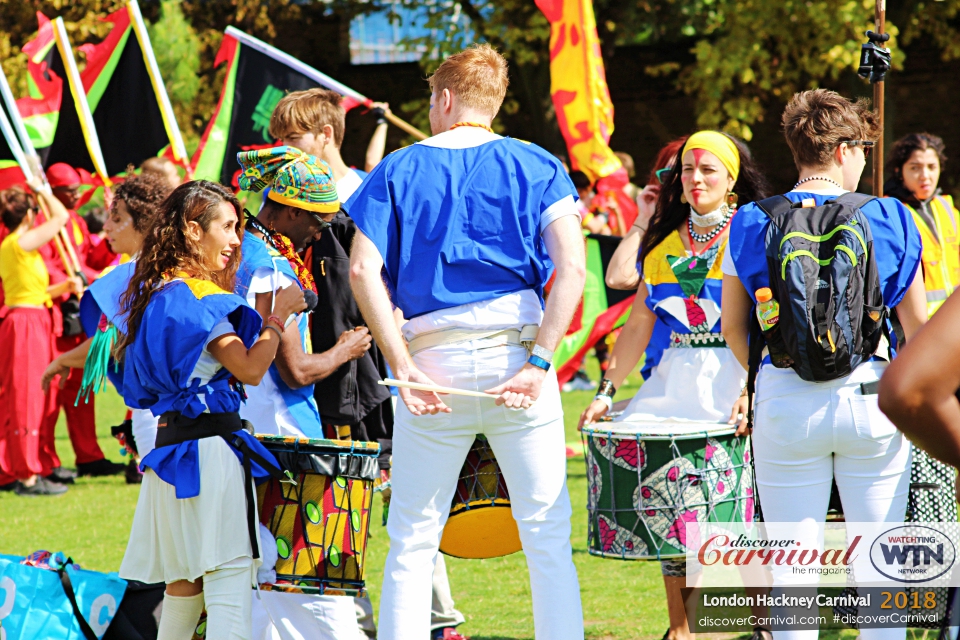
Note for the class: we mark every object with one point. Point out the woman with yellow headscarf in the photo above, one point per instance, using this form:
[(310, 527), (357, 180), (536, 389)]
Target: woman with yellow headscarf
[(697, 379)]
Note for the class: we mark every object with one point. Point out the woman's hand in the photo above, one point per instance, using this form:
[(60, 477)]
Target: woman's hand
[(646, 205), (75, 285), (287, 301), (738, 415), (596, 410), (53, 370)]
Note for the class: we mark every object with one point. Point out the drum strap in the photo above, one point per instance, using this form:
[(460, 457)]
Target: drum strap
[(176, 428), (525, 337)]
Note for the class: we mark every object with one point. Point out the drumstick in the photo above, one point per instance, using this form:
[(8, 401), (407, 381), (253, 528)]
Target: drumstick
[(390, 382)]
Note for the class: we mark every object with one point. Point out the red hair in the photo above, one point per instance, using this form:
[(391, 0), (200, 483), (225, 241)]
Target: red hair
[(664, 158)]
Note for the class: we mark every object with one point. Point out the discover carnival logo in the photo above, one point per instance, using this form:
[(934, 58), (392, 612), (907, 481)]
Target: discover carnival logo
[(913, 553)]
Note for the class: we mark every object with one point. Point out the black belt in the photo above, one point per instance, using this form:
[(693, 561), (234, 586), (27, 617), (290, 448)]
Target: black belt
[(176, 428)]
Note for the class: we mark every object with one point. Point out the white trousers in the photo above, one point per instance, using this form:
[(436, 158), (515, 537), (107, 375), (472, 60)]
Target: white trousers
[(428, 453), (297, 616), (808, 434)]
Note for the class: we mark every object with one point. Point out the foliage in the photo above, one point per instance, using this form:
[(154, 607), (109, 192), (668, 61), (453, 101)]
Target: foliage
[(177, 50)]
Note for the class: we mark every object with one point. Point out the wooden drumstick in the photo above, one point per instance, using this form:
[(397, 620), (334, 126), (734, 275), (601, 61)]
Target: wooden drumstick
[(390, 382)]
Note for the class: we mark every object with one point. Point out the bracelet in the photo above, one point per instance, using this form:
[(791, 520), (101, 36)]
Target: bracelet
[(276, 320), (272, 328), (541, 352), (539, 363), (607, 400), (607, 389)]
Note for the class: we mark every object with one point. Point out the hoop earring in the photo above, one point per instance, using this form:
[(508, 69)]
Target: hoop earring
[(732, 200), (683, 198)]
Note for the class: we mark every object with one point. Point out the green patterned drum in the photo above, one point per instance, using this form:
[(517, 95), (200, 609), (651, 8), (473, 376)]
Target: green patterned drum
[(647, 480)]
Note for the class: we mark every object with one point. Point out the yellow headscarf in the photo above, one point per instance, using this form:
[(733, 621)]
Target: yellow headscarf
[(719, 145)]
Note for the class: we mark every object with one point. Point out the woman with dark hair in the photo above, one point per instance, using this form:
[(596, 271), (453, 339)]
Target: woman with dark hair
[(27, 335), (188, 348), (136, 205), (697, 378), (915, 163)]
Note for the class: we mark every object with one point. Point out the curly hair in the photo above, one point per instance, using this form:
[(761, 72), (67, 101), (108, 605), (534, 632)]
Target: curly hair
[(15, 203), (670, 213), (168, 249), (142, 194), (905, 146)]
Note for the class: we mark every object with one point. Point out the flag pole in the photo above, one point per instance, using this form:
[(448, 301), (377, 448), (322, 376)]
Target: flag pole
[(153, 70), (318, 76), (880, 15), (80, 100)]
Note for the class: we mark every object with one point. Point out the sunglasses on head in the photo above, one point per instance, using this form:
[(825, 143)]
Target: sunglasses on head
[(867, 145), (662, 174)]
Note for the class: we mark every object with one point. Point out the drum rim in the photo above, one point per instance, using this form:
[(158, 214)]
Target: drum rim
[(357, 447), (721, 429)]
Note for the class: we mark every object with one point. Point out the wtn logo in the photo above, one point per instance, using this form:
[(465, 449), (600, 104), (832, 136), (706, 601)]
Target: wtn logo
[(900, 554), (913, 553)]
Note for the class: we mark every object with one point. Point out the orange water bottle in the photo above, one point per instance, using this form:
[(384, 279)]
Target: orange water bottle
[(768, 310)]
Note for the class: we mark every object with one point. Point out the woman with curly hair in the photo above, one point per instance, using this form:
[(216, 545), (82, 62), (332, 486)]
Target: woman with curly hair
[(696, 377), (188, 348), (136, 204)]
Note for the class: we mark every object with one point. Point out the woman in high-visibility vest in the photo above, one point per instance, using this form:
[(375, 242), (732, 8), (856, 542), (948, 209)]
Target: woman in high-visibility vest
[(915, 162)]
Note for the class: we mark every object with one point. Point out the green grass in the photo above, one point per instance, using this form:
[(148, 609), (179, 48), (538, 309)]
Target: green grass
[(620, 599)]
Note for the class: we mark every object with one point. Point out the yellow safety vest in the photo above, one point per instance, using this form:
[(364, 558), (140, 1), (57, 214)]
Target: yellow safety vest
[(941, 251)]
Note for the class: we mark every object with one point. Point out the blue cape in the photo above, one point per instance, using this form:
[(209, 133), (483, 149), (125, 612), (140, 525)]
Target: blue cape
[(159, 366)]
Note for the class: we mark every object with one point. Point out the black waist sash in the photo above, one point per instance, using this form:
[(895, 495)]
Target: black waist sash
[(174, 428)]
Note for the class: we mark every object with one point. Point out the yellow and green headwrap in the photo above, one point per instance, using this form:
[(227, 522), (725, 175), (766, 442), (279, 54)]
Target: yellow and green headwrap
[(720, 146), (295, 178)]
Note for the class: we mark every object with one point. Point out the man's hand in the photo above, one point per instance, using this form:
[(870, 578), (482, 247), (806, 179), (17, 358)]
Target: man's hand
[(522, 390), (355, 342), (420, 402), (738, 416)]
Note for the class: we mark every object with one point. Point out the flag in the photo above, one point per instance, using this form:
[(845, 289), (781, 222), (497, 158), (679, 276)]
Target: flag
[(578, 86), (10, 173), (126, 99), (603, 309), (258, 77)]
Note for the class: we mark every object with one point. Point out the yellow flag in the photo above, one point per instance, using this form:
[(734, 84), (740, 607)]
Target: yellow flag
[(578, 86)]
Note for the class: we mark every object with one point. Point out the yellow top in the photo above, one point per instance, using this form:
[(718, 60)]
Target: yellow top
[(23, 274)]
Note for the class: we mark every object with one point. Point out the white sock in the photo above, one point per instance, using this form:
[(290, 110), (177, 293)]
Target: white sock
[(180, 616), (227, 595)]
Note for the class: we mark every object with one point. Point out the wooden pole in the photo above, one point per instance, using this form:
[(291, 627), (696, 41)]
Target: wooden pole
[(880, 18)]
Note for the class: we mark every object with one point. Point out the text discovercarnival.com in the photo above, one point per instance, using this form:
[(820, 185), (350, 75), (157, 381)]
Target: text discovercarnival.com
[(811, 575)]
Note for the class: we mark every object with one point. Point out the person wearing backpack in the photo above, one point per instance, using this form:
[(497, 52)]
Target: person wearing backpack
[(816, 416)]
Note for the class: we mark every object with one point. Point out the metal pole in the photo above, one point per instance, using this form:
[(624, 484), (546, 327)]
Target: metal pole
[(880, 17)]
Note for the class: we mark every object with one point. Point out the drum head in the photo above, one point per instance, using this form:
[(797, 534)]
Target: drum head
[(484, 532), (658, 429)]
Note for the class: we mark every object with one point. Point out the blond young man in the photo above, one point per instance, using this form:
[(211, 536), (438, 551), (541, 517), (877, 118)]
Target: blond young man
[(468, 226)]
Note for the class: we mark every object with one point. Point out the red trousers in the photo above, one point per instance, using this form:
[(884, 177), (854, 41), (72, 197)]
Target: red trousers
[(81, 419), (26, 348)]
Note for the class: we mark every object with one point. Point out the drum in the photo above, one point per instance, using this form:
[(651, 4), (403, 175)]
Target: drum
[(319, 519), (646, 480), (481, 524)]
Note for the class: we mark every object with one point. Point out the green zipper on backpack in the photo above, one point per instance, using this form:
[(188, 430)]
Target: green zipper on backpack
[(805, 236), (823, 263)]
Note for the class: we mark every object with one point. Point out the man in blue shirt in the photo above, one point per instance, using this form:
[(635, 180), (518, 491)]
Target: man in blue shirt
[(467, 226)]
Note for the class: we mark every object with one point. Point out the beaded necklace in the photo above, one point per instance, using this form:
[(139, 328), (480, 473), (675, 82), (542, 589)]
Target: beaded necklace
[(471, 124)]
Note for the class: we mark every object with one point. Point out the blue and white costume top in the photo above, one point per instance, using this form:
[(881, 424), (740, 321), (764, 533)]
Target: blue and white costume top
[(101, 301), (168, 368), (458, 218), (272, 406)]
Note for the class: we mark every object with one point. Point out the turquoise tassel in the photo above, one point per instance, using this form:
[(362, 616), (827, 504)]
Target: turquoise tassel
[(97, 363)]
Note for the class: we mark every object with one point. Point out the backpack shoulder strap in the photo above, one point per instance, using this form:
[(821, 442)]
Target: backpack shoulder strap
[(775, 206), (854, 199)]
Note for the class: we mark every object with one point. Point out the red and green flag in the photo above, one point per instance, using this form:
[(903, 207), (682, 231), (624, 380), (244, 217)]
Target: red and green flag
[(258, 76), (603, 309), (130, 115)]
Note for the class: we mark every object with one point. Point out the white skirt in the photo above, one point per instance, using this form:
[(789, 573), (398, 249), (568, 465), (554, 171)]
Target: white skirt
[(175, 539), (699, 384)]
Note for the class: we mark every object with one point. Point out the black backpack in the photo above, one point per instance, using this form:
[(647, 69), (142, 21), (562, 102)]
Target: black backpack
[(824, 276)]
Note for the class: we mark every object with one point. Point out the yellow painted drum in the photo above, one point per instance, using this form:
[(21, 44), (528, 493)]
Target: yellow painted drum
[(320, 524), (481, 523)]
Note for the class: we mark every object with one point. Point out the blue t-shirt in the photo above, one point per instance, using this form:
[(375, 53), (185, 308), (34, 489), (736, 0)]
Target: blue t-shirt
[(896, 244), (456, 226)]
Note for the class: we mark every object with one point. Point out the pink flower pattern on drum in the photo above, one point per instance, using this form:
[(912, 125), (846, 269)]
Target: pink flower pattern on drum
[(626, 453), (615, 539), (678, 530)]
